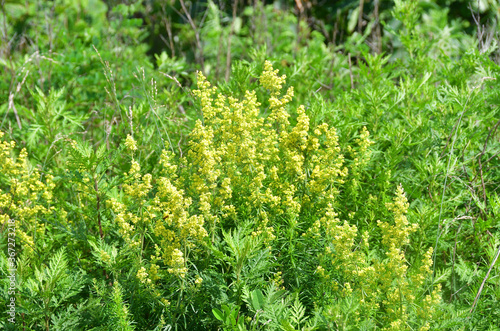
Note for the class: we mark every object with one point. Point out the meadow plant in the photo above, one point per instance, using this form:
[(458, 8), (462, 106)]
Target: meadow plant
[(248, 170), (356, 190), (249, 178), (25, 196)]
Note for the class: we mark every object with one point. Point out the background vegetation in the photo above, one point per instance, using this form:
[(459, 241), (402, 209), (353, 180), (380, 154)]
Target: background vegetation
[(359, 192)]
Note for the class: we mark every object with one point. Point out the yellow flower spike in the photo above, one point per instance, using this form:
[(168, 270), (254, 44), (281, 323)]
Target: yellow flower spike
[(397, 235), (177, 264), (204, 93), (130, 143), (142, 275), (270, 79), (165, 302)]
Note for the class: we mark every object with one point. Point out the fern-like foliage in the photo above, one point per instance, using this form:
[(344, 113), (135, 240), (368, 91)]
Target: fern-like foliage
[(49, 292)]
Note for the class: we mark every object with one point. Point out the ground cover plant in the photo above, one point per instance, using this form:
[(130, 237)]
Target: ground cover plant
[(232, 165)]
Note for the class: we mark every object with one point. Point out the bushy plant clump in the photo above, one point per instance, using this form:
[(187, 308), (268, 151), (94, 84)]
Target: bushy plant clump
[(256, 173), (248, 182)]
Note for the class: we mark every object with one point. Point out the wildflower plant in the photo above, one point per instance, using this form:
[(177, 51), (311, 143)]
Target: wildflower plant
[(379, 279), (336, 186), (25, 196), (255, 183), (244, 166)]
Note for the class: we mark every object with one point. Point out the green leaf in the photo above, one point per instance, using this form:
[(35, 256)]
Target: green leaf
[(257, 299), (218, 314)]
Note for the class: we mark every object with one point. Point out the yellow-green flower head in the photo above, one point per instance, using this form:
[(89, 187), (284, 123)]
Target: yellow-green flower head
[(270, 79), (177, 262), (130, 143), (204, 93), (142, 275)]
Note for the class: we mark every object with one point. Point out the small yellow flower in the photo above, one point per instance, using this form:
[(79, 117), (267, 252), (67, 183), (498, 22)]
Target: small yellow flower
[(130, 143), (142, 275), (165, 302)]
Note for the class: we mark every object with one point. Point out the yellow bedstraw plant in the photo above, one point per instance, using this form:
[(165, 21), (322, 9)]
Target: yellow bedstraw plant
[(243, 168), (24, 196), (246, 168), (275, 171), (166, 215), (378, 283)]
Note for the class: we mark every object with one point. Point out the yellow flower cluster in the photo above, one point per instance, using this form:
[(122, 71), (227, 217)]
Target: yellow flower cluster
[(178, 264), (397, 235), (123, 219), (340, 252), (270, 79), (140, 186), (23, 195), (167, 215), (379, 281), (130, 143), (198, 280), (278, 280), (263, 165), (143, 276), (176, 225)]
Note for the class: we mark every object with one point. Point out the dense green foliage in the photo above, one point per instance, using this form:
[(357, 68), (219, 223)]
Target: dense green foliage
[(232, 165)]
